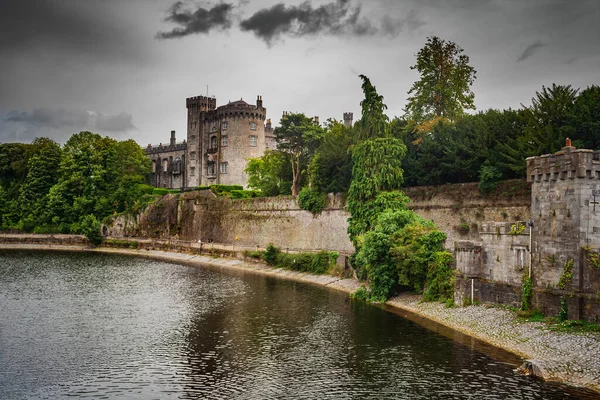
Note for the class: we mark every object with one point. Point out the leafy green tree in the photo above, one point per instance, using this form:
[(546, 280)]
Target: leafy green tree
[(42, 174), (584, 119), (374, 123), (298, 137), (330, 169), (444, 88), (271, 173)]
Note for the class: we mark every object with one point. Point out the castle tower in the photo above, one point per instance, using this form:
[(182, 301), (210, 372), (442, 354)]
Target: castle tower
[(565, 211), (173, 140), (197, 107), (348, 116)]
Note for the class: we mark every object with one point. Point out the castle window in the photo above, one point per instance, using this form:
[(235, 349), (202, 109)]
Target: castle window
[(253, 126), (192, 171), (177, 166), (213, 142), (153, 165), (214, 128), (193, 140), (193, 155), (223, 167), (211, 171), (224, 140), (253, 140), (225, 125), (165, 165)]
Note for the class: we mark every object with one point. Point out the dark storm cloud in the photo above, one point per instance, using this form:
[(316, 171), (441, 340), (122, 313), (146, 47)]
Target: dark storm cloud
[(72, 119), (339, 18), (63, 24), (530, 50), (201, 20)]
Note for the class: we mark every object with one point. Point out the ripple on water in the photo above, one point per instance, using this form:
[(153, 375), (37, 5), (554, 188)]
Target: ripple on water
[(100, 326)]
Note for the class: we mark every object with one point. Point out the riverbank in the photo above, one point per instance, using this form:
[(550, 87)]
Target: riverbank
[(554, 356)]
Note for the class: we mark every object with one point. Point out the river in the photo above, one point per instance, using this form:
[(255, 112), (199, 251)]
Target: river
[(89, 325)]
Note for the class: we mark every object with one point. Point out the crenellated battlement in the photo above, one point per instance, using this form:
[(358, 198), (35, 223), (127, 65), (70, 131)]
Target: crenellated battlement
[(204, 103), (160, 148), (568, 163)]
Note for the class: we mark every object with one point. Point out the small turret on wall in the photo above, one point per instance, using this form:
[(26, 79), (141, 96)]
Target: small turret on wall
[(348, 117)]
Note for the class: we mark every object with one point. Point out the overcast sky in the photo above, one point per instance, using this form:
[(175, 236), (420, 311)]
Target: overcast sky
[(123, 68)]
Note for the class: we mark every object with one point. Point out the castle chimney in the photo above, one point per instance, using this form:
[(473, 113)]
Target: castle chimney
[(316, 120), (259, 102), (268, 125), (348, 116), (173, 138), (568, 144)]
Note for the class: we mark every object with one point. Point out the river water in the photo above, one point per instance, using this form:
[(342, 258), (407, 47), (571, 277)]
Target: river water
[(99, 326)]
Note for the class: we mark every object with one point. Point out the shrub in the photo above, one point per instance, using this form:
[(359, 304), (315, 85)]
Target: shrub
[(489, 176), (224, 190), (312, 200), (463, 228), (244, 194), (90, 227), (256, 254), (315, 263), (270, 254)]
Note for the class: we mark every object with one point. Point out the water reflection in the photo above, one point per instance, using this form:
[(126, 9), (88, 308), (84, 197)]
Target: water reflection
[(100, 326)]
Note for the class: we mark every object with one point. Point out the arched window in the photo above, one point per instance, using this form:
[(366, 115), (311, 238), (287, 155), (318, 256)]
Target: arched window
[(165, 165), (177, 166), (154, 166), (213, 142)]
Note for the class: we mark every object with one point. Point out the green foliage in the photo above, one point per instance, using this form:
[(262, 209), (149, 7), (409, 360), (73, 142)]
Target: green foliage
[(164, 191), (315, 263), (330, 169), (377, 168), (592, 257), (567, 275), (489, 176), (563, 313), (298, 137), (312, 200), (44, 188), (374, 122), (270, 254), (443, 89), (463, 228), (256, 254), (516, 229), (271, 173), (90, 227), (526, 292), (222, 189), (203, 187), (244, 194)]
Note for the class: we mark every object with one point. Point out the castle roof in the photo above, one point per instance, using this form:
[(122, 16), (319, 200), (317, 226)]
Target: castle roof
[(238, 103)]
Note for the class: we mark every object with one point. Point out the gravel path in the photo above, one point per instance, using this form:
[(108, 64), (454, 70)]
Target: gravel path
[(555, 356)]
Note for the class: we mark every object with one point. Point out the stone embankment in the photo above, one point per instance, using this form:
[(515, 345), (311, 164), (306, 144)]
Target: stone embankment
[(554, 356)]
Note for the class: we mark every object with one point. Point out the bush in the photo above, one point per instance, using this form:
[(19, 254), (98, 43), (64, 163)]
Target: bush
[(256, 254), (90, 227), (312, 200), (463, 228), (316, 263), (270, 254), (224, 190), (244, 194), (489, 177)]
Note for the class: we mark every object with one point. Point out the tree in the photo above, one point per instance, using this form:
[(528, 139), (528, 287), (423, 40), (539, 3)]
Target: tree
[(584, 119), (443, 91), (374, 122), (331, 167), (298, 137), (271, 173)]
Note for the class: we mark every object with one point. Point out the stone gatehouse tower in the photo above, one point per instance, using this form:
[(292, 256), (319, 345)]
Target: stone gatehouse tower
[(218, 143)]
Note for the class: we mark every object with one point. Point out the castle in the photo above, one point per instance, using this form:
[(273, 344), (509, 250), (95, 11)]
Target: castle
[(557, 249), (219, 141)]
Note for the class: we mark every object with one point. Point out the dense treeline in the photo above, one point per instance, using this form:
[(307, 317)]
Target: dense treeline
[(46, 188), (491, 144)]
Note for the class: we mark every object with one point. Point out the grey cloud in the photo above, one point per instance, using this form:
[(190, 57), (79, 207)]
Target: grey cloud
[(333, 18), (530, 50), (201, 20), (75, 119), (64, 24)]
